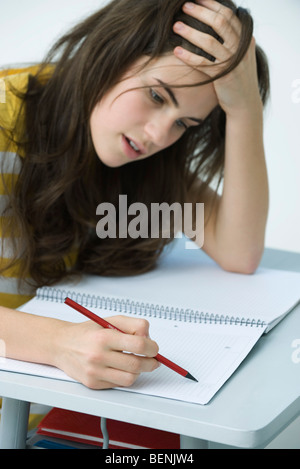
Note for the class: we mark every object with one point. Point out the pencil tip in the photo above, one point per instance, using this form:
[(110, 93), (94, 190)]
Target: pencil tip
[(189, 376)]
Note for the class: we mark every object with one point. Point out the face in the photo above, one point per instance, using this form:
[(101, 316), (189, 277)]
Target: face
[(144, 113)]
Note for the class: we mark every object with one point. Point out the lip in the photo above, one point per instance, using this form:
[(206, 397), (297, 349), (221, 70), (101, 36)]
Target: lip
[(129, 151)]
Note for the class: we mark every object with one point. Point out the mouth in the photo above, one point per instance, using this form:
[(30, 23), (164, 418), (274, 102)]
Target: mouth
[(132, 148)]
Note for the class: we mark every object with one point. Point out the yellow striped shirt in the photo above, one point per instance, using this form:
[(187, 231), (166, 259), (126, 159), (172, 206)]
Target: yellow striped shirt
[(10, 162)]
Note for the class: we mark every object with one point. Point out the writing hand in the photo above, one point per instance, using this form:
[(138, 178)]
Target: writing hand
[(95, 356)]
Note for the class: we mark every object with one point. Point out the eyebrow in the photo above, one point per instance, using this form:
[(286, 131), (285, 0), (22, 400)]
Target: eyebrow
[(174, 100), (169, 91), (199, 121)]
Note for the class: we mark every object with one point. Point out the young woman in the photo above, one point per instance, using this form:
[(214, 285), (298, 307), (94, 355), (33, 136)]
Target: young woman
[(155, 99)]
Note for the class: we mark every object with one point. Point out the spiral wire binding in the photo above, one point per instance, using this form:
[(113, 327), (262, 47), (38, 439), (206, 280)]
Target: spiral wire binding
[(126, 306)]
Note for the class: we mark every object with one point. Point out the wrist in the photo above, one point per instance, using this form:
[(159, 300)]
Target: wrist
[(55, 342), (29, 337), (253, 112), (246, 121)]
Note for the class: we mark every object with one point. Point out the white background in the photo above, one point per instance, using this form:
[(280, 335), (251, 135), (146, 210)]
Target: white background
[(29, 27)]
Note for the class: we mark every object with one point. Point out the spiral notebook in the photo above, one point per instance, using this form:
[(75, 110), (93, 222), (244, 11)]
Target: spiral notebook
[(204, 319)]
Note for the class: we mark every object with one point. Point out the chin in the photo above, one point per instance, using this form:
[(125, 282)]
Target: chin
[(111, 162)]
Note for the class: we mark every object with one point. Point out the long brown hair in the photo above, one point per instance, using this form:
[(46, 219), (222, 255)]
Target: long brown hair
[(62, 180)]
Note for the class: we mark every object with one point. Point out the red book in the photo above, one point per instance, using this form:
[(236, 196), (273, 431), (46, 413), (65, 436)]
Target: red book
[(84, 428)]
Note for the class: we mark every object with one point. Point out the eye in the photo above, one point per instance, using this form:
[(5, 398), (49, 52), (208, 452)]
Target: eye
[(156, 97), (160, 100), (181, 124)]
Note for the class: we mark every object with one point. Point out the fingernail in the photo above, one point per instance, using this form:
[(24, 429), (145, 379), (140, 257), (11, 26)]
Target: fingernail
[(178, 26), (189, 5), (178, 51)]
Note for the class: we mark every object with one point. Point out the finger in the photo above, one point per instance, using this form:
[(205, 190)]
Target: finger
[(134, 326), (215, 11), (120, 342), (202, 40), (113, 378), (204, 65), (223, 21), (110, 378), (131, 363)]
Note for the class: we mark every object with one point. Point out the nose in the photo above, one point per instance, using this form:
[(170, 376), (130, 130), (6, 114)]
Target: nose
[(159, 131)]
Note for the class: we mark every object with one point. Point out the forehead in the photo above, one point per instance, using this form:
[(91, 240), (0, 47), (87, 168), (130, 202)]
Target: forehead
[(174, 70), (178, 76)]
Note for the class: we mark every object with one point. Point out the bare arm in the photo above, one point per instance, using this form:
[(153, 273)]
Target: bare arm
[(235, 231), (238, 234), (235, 224), (86, 352)]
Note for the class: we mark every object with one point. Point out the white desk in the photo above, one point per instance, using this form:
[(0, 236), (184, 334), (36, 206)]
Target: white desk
[(251, 409)]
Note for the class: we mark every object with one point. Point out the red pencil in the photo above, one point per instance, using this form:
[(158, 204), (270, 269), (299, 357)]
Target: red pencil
[(102, 322)]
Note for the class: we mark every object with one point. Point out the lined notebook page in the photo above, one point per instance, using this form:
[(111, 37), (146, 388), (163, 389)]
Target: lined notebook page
[(209, 352)]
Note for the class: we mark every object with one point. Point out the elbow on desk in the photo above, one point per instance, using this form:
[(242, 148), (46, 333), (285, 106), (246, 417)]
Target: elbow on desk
[(246, 264)]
